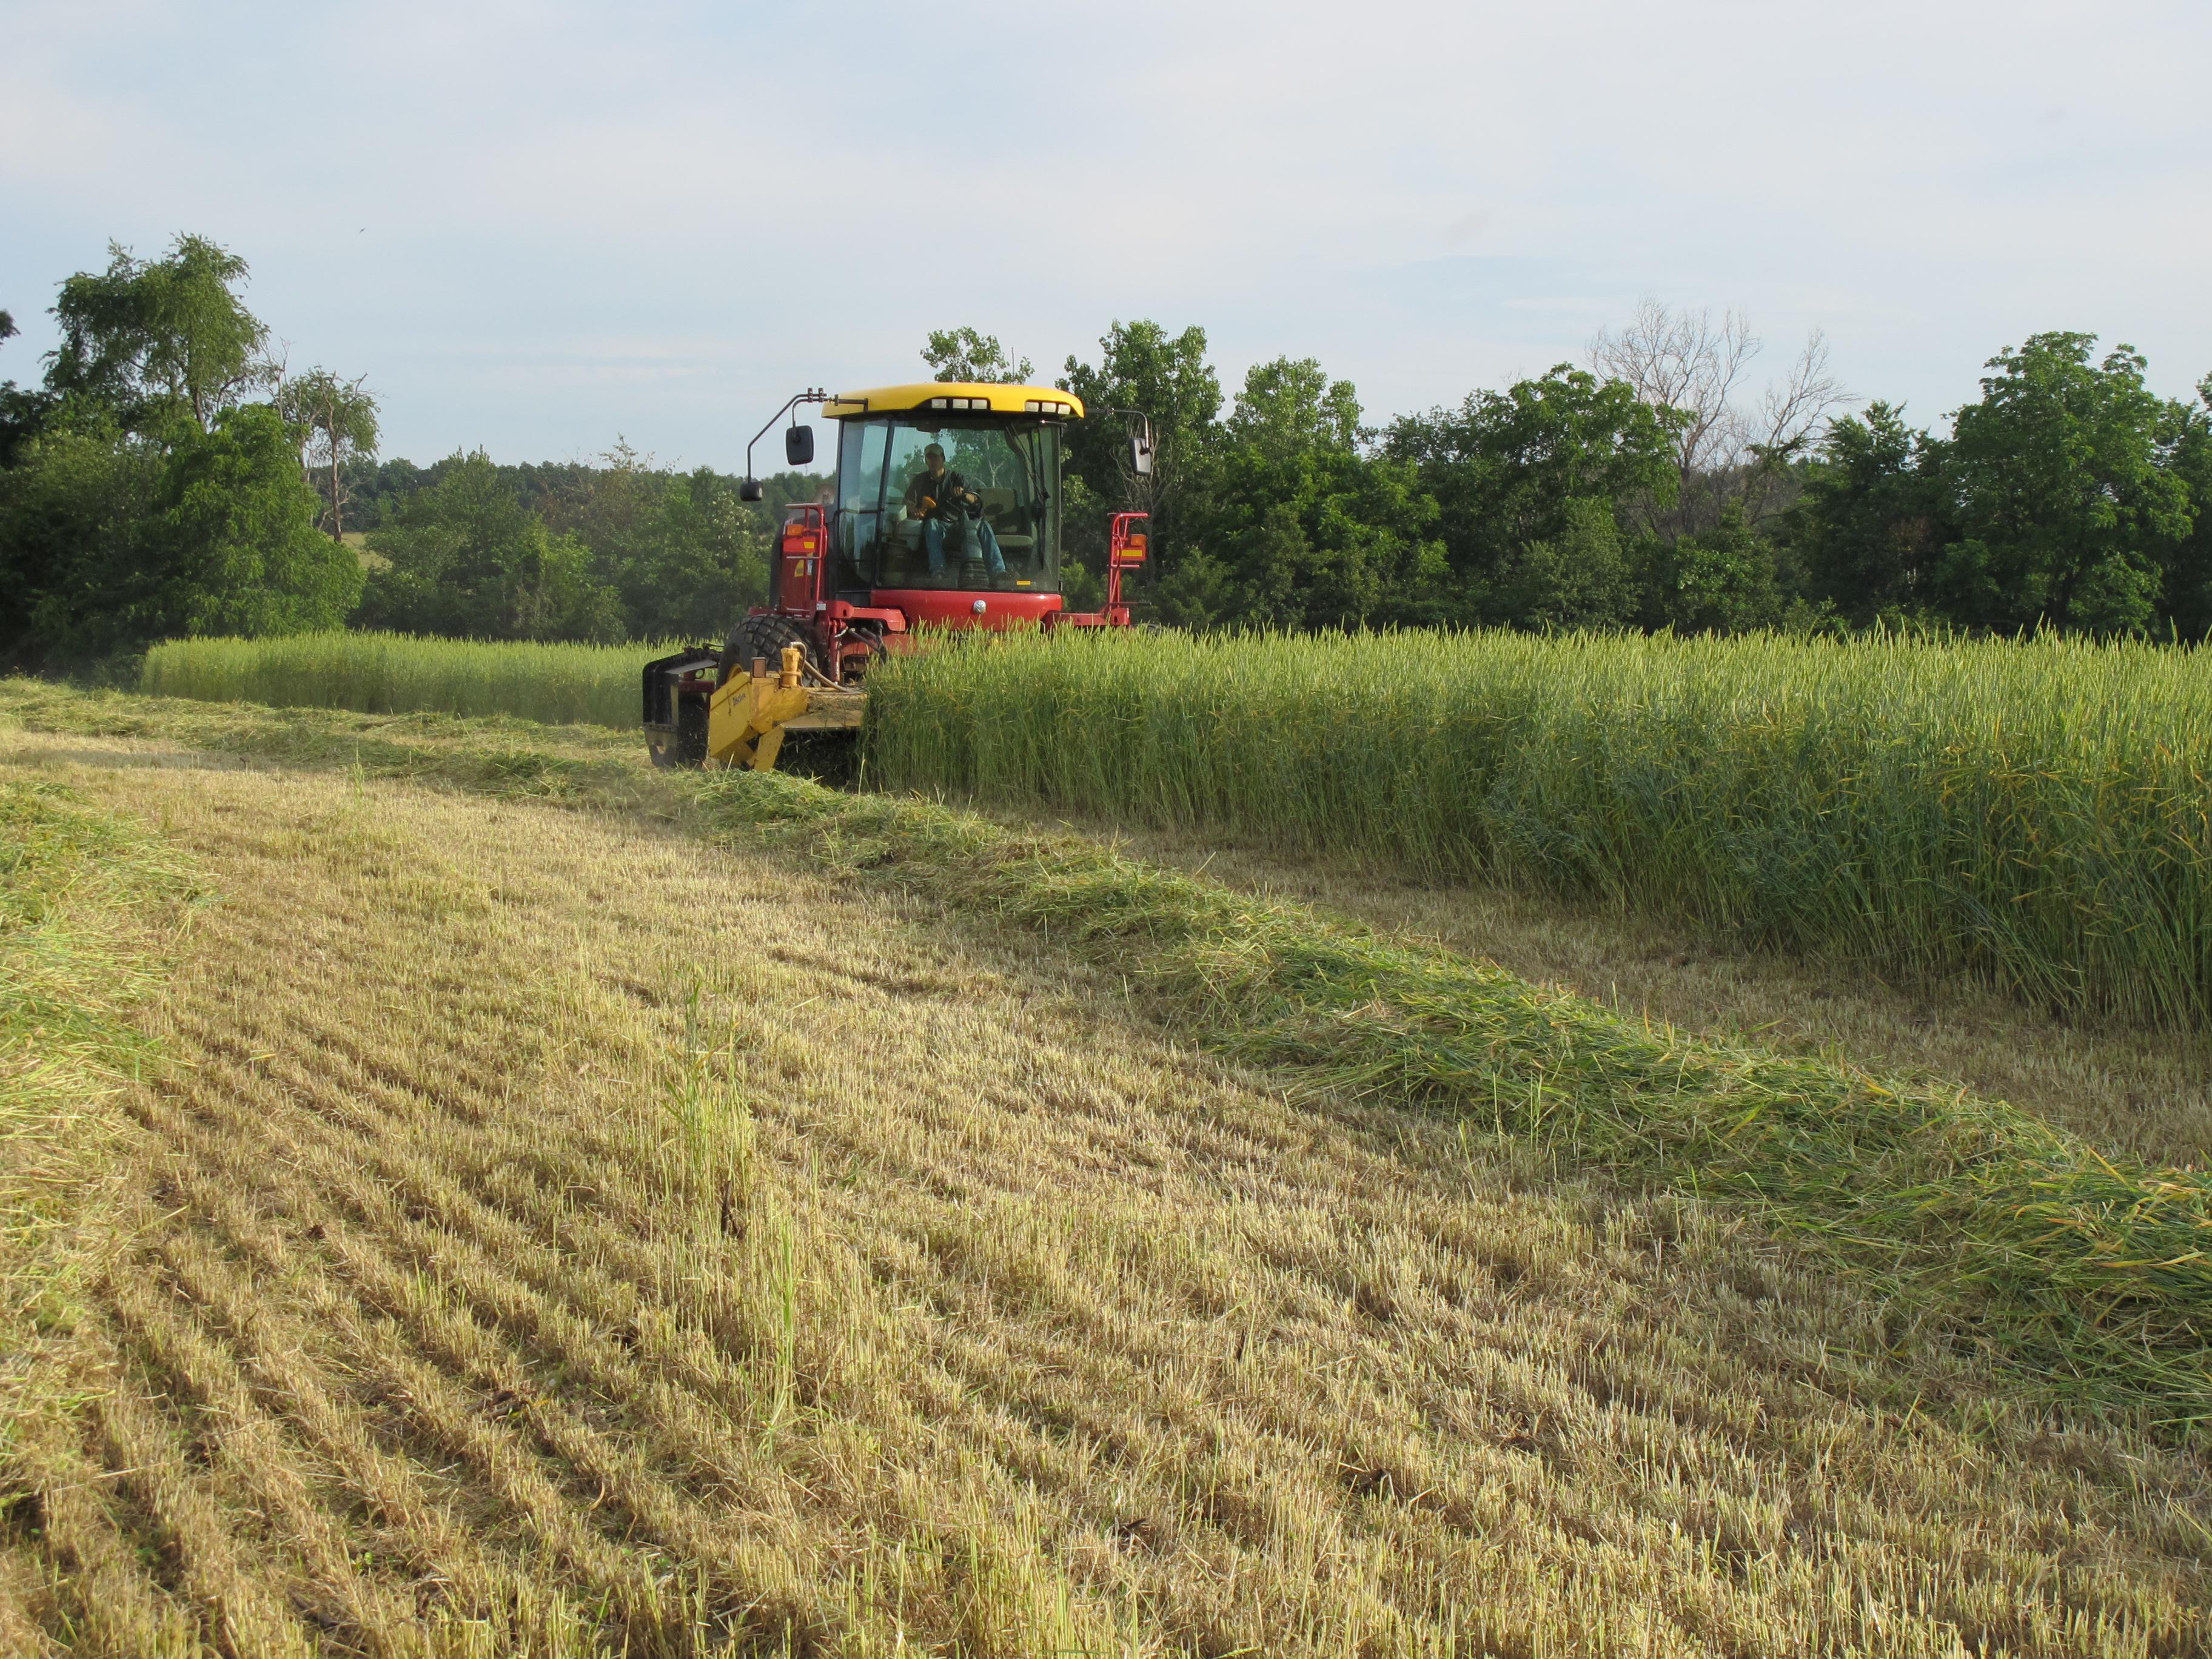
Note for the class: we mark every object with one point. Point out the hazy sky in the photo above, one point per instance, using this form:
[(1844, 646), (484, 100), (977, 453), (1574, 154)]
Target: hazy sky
[(536, 227)]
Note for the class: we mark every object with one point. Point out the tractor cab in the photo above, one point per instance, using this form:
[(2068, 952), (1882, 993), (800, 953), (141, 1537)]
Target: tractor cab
[(946, 494), (946, 511)]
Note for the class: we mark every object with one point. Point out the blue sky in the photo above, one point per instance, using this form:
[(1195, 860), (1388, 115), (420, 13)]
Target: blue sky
[(537, 228)]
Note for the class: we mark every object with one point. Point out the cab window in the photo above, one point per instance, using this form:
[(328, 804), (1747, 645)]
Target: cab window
[(884, 494)]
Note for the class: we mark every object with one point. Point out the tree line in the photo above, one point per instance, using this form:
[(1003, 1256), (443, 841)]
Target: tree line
[(1643, 489), (170, 475)]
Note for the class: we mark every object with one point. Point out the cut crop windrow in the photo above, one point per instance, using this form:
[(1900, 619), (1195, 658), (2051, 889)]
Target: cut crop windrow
[(2092, 1277)]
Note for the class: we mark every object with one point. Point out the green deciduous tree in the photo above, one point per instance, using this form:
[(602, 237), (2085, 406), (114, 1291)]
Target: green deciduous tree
[(2189, 559), (232, 538), (336, 422), (1298, 528), (73, 506), (466, 557), (1580, 580), (23, 410), (1288, 406), (1143, 369), (1507, 471), (1876, 518), (1724, 581), (161, 340), (108, 541), (682, 554), (2068, 503), (143, 494), (962, 354)]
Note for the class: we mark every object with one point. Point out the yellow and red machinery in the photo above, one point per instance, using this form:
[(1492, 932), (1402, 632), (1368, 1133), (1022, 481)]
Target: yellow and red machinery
[(944, 513)]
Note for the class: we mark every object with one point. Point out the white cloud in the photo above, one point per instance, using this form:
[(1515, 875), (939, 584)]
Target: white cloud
[(534, 226)]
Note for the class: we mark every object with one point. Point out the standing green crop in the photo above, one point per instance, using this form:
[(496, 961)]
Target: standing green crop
[(2035, 813), (400, 674)]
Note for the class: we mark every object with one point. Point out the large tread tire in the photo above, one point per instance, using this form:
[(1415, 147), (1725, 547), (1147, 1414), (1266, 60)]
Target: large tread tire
[(765, 637)]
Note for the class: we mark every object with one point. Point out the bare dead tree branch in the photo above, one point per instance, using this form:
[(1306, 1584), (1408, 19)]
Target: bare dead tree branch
[(1694, 365)]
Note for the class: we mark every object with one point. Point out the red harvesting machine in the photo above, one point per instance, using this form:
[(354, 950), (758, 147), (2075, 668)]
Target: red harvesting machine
[(945, 514)]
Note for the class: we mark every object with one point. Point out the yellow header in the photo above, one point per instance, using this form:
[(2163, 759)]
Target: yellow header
[(956, 398)]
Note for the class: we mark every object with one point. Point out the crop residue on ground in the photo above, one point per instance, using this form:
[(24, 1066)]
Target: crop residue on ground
[(768, 1259)]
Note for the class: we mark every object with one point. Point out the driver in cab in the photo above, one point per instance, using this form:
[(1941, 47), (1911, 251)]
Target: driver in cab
[(944, 504)]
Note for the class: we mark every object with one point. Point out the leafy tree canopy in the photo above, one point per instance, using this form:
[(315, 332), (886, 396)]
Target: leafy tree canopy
[(233, 540), (159, 340), (108, 541), (73, 508), (1313, 536), (23, 411), (962, 354), (1876, 518), (2189, 561), (2063, 490), (1507, 469), (1144, 370), (466, 557), (682, 554), (1724, 581), (1287, 407)]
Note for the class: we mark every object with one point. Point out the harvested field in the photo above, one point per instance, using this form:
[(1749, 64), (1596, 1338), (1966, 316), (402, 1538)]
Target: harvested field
[(552, 1234)]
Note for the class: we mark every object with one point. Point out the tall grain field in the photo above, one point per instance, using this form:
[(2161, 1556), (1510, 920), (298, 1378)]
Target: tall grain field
[(2036, 814), (405, 673)]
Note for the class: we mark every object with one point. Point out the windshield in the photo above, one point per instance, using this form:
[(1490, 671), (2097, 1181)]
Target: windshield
[(925, 502)]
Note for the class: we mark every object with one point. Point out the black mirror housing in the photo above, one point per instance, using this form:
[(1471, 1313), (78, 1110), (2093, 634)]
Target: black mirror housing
[(798, 444), (750, 490)]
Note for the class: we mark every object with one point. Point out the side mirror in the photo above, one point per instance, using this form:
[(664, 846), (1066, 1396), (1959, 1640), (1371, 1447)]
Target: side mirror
[(750, 490), (798, 444), (1140, 455)]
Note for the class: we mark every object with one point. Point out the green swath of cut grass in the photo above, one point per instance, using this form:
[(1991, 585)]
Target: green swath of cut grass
[(2092, 1277), (2036, 814), (404, 673)]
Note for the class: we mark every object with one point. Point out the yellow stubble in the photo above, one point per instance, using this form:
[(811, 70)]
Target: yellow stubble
[(553, 1236)]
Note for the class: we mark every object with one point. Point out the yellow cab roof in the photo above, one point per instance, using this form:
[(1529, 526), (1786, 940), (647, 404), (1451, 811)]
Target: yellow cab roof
[(954, 398)]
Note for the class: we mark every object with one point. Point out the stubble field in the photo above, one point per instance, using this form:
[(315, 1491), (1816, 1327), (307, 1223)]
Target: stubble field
[(549, 1232)]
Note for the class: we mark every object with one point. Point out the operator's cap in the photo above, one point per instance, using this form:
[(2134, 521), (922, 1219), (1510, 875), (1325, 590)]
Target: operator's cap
[(937, 450)]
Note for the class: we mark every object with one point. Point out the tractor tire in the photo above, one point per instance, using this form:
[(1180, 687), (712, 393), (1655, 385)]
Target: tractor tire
[(765, 637)]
